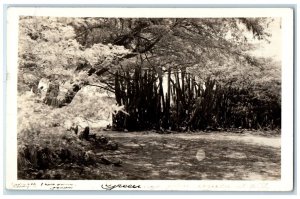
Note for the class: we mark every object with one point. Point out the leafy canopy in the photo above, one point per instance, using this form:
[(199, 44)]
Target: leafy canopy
[(65, 49)]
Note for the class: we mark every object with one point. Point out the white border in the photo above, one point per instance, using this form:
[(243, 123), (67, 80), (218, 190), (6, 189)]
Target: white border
[(285, 184)]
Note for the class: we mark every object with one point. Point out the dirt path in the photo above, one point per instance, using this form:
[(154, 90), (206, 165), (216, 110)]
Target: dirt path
[(149, 156), (248, 138)]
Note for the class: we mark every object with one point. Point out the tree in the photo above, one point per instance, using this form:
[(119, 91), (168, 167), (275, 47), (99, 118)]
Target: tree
[(48, 48), (96, 51), (69, 42)]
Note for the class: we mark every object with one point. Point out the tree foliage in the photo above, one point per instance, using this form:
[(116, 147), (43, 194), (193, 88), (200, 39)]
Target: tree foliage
[(80, 52)]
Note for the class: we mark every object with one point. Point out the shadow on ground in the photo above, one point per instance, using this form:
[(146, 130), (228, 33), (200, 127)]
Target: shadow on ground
[(150, 156)]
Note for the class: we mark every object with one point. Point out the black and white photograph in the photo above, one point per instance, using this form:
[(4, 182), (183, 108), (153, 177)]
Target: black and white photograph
[(176, 99)]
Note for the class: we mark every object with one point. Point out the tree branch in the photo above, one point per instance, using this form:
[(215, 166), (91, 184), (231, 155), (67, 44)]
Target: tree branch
[(105, 88)]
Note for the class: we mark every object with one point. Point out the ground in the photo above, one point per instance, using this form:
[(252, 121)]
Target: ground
[(199, 156), (177, 156)]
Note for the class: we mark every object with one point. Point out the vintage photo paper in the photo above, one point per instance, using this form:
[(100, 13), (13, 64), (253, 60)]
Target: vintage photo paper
[(186, 99)]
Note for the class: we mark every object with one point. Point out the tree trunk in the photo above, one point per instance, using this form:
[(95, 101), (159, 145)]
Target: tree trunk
[(53, 91)]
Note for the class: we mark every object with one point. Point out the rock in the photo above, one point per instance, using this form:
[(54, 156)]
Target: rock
[(89, 157), (112, 145), (85, 133), (102, 140), (93, 136), (117, 163), (104, 160), (109, 161)]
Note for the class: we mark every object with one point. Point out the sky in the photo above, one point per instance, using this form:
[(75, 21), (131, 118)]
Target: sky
[(274, 48)]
